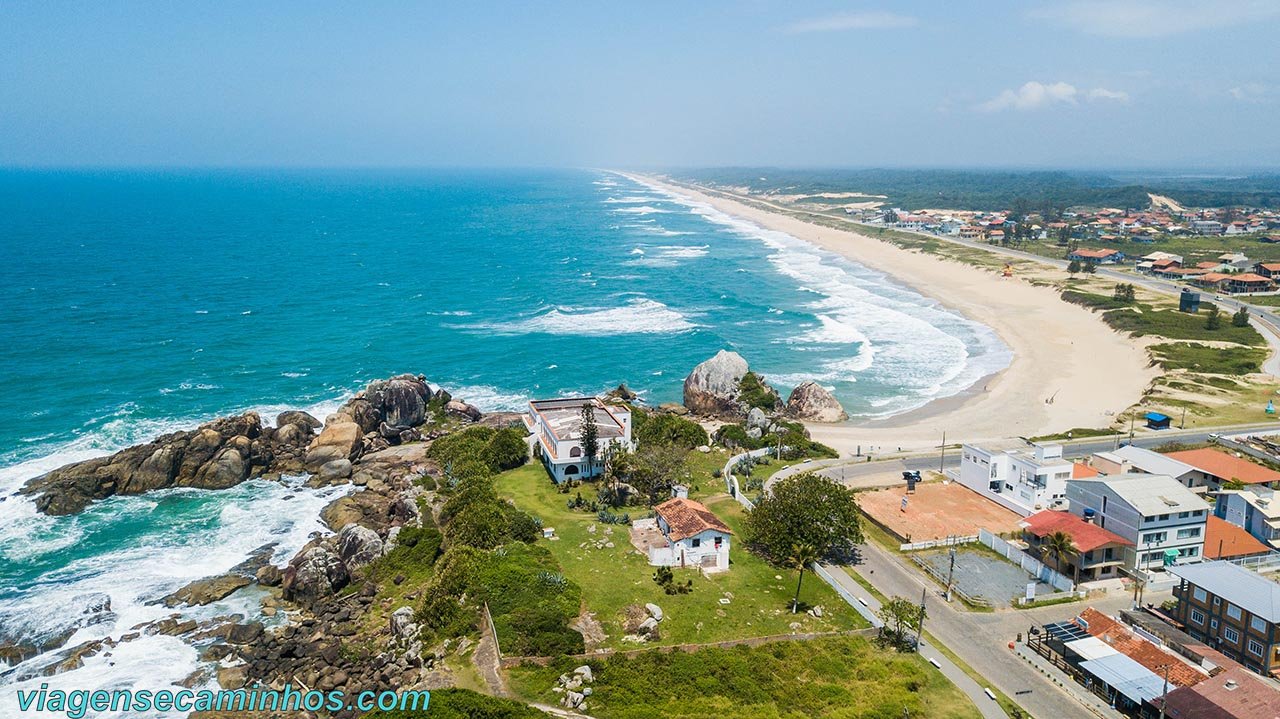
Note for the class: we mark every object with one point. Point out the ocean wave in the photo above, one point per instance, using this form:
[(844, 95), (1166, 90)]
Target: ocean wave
[(638, 316), (188, 386), (630, 200), (642, 210), (492, 399)]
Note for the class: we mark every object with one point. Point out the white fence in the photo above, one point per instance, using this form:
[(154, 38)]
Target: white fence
[(950, 541), (1033, 566), (846, 595), (1261, 564), (731, 481)]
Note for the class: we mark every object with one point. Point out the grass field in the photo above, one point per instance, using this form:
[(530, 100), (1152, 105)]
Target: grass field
[(837, 677), (614, 577)]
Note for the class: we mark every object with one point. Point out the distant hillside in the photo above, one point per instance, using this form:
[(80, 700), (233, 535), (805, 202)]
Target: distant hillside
[(997, 190)]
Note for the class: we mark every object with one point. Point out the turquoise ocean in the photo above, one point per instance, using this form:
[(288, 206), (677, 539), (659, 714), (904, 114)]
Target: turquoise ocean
[(135, 303)]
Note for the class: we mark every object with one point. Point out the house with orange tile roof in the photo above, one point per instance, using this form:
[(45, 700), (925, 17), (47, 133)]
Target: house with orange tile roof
[(1218, 467), (1099, 554), (1097, 257), (1233, 694), (1249, 282), (1125, 641), (1224, 540), (1267, 269), (695, 536)]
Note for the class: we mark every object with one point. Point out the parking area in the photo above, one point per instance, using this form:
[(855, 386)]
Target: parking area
[(935, 511), (982, 575)]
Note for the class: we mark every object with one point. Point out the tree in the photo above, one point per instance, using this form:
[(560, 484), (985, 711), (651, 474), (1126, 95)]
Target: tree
[(1233, 483), (805, 508), (901, 617), (1213, 320), (1123, 292), (656, 467), (1089, 268), (1073, 267), (802, 555), (589, 437), (1241, 317), (1058, 545)]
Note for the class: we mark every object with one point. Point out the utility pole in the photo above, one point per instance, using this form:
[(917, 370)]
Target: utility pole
[(1164, 696), (924, 592), (942, 458), (1132, 417), (951, 573), (1183, 423)]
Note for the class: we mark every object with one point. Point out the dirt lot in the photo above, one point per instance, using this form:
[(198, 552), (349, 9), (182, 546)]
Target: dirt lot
[(936, 510)]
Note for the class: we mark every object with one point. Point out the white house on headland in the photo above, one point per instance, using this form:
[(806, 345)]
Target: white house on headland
[(695, 537), (1025, 482), (555, 433), (1158, 515)]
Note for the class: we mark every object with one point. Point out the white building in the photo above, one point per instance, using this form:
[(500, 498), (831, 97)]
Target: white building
[(1255, 509), (1026, 482), (1136, 460), (695, 537), (555, 433), (1164, 520)]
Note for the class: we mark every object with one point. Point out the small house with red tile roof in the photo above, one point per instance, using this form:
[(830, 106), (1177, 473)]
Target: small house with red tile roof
[(1224, 540), (1249, 282), (1267, 269), (1097, 257), (1099, 553), (695, 536), (1219, 467)]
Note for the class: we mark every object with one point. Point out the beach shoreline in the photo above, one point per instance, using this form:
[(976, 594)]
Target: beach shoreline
[(1056, 346)]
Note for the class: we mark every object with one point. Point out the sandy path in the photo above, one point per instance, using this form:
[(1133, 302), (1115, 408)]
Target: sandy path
[(1069, 369)]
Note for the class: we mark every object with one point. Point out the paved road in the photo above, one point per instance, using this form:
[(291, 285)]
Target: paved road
[(981, 638)]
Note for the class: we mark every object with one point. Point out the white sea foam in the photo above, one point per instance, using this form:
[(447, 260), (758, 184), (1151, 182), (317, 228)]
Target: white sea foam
[(631, 200), (492, 399), (639, 315), (667, 255), (642, 210)]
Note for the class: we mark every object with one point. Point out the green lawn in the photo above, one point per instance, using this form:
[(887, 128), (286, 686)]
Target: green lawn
[(614, 577), (835, 677)]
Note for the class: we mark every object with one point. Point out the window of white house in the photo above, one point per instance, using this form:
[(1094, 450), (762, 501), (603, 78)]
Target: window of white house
[(1154, 537), (1255, 647), (1200, 594), (1258, 625), (1230, 635), (1233, 611), (1188, 551), (1183, 515), (697, 542), (1189, 533), (1197, 617)]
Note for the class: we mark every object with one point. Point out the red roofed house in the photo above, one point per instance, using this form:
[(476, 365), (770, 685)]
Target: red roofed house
[(1224, 540), (1267, 269), (695, 537), (1249, 282), (1099, 553), (1097, 257), (1219, 467), (1125, 641)]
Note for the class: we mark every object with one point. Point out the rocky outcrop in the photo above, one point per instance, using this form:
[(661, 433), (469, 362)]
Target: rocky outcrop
[(358, 546), (811, 402), (314, 573), (385, 413), (725, 387), (216, 455), (207, 591), (712, 387)]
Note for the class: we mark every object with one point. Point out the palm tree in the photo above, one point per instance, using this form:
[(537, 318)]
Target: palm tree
[(1058, 545), (802, 555)]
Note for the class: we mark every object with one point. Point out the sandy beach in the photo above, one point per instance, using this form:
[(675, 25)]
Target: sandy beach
[(1069, 369)]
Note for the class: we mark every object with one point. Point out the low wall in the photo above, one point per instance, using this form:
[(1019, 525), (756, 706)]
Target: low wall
[(1030, 564)]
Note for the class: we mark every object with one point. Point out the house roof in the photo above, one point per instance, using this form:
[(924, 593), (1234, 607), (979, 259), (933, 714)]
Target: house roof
[(688, 518), (1224, 540), (1270, 266), (1255, 593), (1147, 461), (1126, 676), (1080, 470), (1234, 694), (1226, 466), (1214, 277), (1085, 535), (1125, 641), (563, 417), (1151, 494), (1249, 277), (1094, 253)]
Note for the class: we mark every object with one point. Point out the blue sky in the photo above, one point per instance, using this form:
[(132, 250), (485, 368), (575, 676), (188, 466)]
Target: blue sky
[(1075, 83)]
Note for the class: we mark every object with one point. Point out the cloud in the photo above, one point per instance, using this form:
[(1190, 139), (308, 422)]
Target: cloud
[(874, 20), (1102, 93), (1036, 95), (1031, 96), (1155, 18), (1250, 92)]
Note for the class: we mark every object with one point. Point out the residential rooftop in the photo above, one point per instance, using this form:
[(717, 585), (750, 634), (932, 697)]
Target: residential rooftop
[(1147, 461), (1226, 466), (1251, 591), (1151, 494), (564, 417), (688, 518), (1086, 536), (1224, 540)]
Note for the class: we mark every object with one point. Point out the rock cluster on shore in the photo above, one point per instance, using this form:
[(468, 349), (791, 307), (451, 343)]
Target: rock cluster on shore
[(724, 387)]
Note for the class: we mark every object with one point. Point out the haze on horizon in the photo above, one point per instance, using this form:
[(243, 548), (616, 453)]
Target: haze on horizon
[(1077, 83)]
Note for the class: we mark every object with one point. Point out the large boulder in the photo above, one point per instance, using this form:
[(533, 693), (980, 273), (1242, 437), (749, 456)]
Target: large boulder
[(812, 402), (315, 572), (358, 546), (297, 418), (400, 401), (340, 439), (206, 591), (712, 387)]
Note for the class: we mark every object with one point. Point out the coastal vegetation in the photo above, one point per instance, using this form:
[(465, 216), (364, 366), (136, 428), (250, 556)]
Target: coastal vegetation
[(464, 704), (805, 509), (839, 677)]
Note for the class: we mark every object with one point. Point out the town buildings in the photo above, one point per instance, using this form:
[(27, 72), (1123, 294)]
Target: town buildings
[(1164, 521), (1233, 610), (1023, 481)]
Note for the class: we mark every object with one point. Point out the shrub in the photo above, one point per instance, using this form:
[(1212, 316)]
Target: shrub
[(671, 429), (464, 704), (507, 449), (753, 392)]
